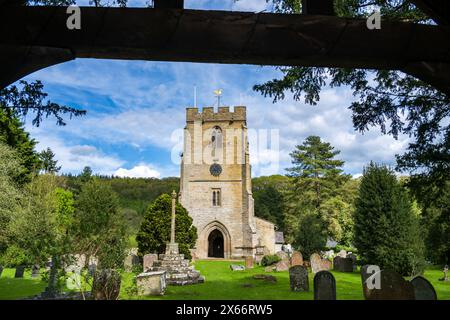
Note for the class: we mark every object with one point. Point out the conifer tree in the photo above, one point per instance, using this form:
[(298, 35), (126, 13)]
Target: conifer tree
[(386, 230)]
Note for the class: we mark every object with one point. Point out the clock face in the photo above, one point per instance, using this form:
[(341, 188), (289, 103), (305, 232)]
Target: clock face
[(215, 169)]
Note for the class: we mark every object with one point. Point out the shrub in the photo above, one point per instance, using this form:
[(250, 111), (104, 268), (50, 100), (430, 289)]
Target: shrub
[(269, 260), (154, 232)]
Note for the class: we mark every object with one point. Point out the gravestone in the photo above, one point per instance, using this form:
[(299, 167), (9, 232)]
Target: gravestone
[(237, 267), (282, 255), (298, 278), (423, 289), (365, 278), (130, 261), (91, 269), (269, 268), (151, 283), (148, 260), (392, 287), (445, 278), (296, 259), (35, 269), (342, 254), (328, 254), (343, 264), (249, 262), (319, 264), (265, 277), (19, 272), (324, 286), (353, 257), (282, 265)]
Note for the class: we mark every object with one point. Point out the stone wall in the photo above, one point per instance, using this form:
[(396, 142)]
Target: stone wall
[(266, 234)]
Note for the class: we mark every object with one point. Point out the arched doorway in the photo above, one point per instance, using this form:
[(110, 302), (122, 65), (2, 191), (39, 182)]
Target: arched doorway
[(215, 244)]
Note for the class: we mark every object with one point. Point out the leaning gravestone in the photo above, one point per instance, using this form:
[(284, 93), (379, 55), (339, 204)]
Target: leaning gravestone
[(319, 264), (343, 264), (392, 286), (296, 259), (282, 265), (148, 260), (298, 278), (19, 272), (324, 286), (423, 289), (282, 255)]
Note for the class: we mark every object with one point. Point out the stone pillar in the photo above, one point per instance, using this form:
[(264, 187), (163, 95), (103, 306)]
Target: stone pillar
[(172, 226), (172, 247)]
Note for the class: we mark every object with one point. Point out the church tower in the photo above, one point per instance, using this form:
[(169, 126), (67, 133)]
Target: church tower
[(216, 185)]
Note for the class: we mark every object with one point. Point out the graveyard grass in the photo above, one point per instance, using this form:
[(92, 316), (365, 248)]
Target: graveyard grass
[(222, 283)]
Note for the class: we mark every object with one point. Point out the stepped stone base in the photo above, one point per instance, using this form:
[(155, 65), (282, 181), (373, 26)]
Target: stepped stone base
[(178, 270)]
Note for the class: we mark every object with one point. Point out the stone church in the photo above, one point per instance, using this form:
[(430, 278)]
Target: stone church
[(216, 185)]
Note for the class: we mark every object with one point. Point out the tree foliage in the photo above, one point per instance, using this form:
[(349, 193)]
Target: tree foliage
[(36, 226), (317, 179), (268, 193), (48, 162), (155, 229), (99, 224), (387, 232), (10, 193), (14, 135), (395, 102), (311, 235), (30, 98)]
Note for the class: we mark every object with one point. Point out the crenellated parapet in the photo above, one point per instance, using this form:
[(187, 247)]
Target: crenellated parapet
[(223, 114)]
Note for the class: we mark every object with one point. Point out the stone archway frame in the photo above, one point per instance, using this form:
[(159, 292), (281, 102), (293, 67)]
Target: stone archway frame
[(204, 234)]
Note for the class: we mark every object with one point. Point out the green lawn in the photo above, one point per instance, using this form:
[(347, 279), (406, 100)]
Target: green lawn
[(12, 288), (222, 283)]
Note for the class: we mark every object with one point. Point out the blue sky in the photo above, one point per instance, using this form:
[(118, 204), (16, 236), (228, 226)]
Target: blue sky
[(136, 110)]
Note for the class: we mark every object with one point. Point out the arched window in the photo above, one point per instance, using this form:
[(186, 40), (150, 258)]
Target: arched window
[(216, 140)]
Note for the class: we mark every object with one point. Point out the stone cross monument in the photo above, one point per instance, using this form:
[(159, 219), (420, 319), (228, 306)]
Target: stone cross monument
[(172, 247), (177, 269)]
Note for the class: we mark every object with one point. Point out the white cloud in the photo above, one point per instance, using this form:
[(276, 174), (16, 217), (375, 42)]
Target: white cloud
[(140, 171), (73, 158)]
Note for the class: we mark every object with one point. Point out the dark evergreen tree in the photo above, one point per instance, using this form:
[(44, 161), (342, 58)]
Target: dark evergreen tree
[(386, 230), (154, 232), (13, 134), (311, 236), (48, 162), (269, 198), (316, 172)]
